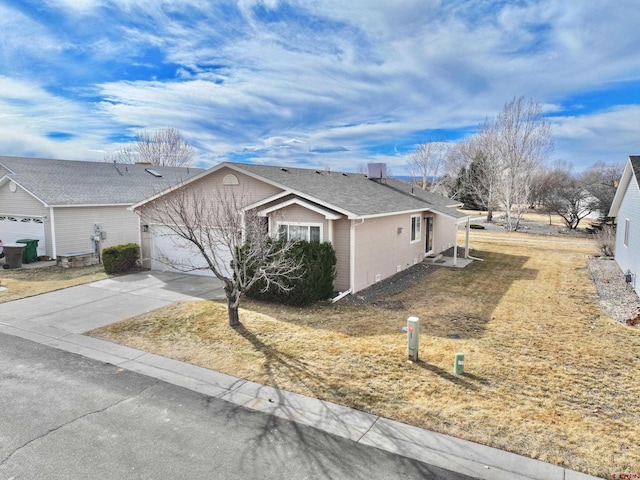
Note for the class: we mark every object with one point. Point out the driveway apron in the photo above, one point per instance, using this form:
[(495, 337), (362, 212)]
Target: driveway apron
[(85, 307)]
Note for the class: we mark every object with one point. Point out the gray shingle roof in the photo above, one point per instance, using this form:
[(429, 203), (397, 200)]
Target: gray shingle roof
[(635, 164), (69, 182), (352, 192)]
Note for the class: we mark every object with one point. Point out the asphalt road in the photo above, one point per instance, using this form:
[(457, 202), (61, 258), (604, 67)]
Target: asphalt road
[(63, 416)]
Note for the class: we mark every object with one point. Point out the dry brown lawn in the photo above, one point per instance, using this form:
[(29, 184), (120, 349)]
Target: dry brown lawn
[(547, 373), (26, 282)]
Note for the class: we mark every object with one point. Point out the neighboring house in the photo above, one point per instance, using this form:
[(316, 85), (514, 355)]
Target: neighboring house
[(377, 225), (626, 209), (64, 203)]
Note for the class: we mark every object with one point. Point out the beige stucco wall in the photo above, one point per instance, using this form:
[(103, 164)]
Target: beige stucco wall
[(297, 214), (383, 248), (341, 244), (383, 245), (444, 233), (247, 191)]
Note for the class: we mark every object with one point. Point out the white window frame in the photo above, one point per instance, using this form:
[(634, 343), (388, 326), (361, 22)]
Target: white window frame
[(418, 229), (299, 224), (625, 237), (230, 179)]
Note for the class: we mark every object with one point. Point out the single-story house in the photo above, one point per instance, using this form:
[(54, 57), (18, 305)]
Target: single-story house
[(626, 209), (377, 225), (76, 206)]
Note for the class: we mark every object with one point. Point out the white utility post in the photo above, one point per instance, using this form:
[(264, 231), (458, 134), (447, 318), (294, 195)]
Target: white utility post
[(413, 337)]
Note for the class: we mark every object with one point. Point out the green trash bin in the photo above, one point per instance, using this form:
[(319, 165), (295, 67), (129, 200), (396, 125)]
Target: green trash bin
[(30, 253)]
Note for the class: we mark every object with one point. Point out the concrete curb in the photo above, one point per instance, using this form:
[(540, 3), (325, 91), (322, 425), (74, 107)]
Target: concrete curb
[(440, 450)]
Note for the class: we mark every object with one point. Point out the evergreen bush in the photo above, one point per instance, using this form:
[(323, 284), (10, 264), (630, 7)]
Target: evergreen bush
[(313, 283), (120, 258)]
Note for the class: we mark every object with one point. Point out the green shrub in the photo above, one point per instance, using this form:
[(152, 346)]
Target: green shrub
[(475, 226), (314, 283), (120, 258)]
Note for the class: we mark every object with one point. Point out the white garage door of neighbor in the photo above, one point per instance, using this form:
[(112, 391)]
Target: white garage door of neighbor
[(172, 253), (13, 227)]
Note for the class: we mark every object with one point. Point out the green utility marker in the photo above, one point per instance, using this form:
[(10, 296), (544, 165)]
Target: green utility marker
[(458, 364)]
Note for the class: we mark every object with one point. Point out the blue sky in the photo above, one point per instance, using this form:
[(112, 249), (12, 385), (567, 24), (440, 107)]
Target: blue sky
[(322, 84)]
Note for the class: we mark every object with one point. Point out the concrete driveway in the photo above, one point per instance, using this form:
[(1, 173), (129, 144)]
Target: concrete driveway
[(85, 307)]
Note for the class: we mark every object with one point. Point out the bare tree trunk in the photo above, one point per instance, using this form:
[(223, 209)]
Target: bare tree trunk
[(489, 216), (233, 302), (234, 317)]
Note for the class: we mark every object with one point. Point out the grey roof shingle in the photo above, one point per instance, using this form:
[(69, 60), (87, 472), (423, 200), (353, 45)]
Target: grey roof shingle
[(70, 182), (352, 192), (635, 164)]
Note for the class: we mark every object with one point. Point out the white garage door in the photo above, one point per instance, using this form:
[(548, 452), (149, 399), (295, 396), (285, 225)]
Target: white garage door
[(13, 227), (171, 253)]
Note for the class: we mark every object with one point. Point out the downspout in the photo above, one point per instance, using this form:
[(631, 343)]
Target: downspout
[(455, 249), (54, 246), (352, 254), (466, 245)]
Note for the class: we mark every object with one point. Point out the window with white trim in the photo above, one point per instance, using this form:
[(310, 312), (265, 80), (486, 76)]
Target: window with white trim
[(300, 231), (416, 221), (626, 232)]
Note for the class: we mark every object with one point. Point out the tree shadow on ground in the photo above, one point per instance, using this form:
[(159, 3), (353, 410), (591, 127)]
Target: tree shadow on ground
[(333, 452), (450, 302), (278, 365)]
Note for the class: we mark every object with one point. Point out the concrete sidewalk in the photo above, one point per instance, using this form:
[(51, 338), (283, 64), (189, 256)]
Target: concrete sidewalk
[(58, 318)]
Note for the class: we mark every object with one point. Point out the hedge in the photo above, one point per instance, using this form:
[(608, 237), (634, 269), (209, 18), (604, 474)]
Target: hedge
[(120, 258)]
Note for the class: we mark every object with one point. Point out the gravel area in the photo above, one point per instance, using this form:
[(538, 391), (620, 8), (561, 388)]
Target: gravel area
[(617, 298), (378, 293)]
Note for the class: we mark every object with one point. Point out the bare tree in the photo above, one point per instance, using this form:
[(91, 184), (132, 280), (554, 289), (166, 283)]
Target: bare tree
[(602, 181), (480, 170), (429, 164), (523, 140), (165, 147), (569, 196), (234, 243)]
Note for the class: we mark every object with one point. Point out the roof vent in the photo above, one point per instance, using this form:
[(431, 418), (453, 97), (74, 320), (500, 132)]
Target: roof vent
[(376, 171), (153, 172), (284, 169)]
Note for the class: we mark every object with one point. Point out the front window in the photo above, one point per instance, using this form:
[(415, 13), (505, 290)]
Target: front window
[(309, 233), (416, 220)]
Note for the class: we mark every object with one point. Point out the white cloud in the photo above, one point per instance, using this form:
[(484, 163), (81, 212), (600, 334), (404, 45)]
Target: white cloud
[(609, 136), (339, 77)]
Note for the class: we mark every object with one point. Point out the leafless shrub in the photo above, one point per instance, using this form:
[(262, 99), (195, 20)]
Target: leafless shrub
[(606, 240)]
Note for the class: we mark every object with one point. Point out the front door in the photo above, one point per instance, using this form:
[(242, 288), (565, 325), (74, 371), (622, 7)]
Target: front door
[(428, 235)]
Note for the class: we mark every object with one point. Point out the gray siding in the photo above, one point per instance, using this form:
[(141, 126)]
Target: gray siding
[(24, 204), (20, 203), (75, 225), (628, 257)]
